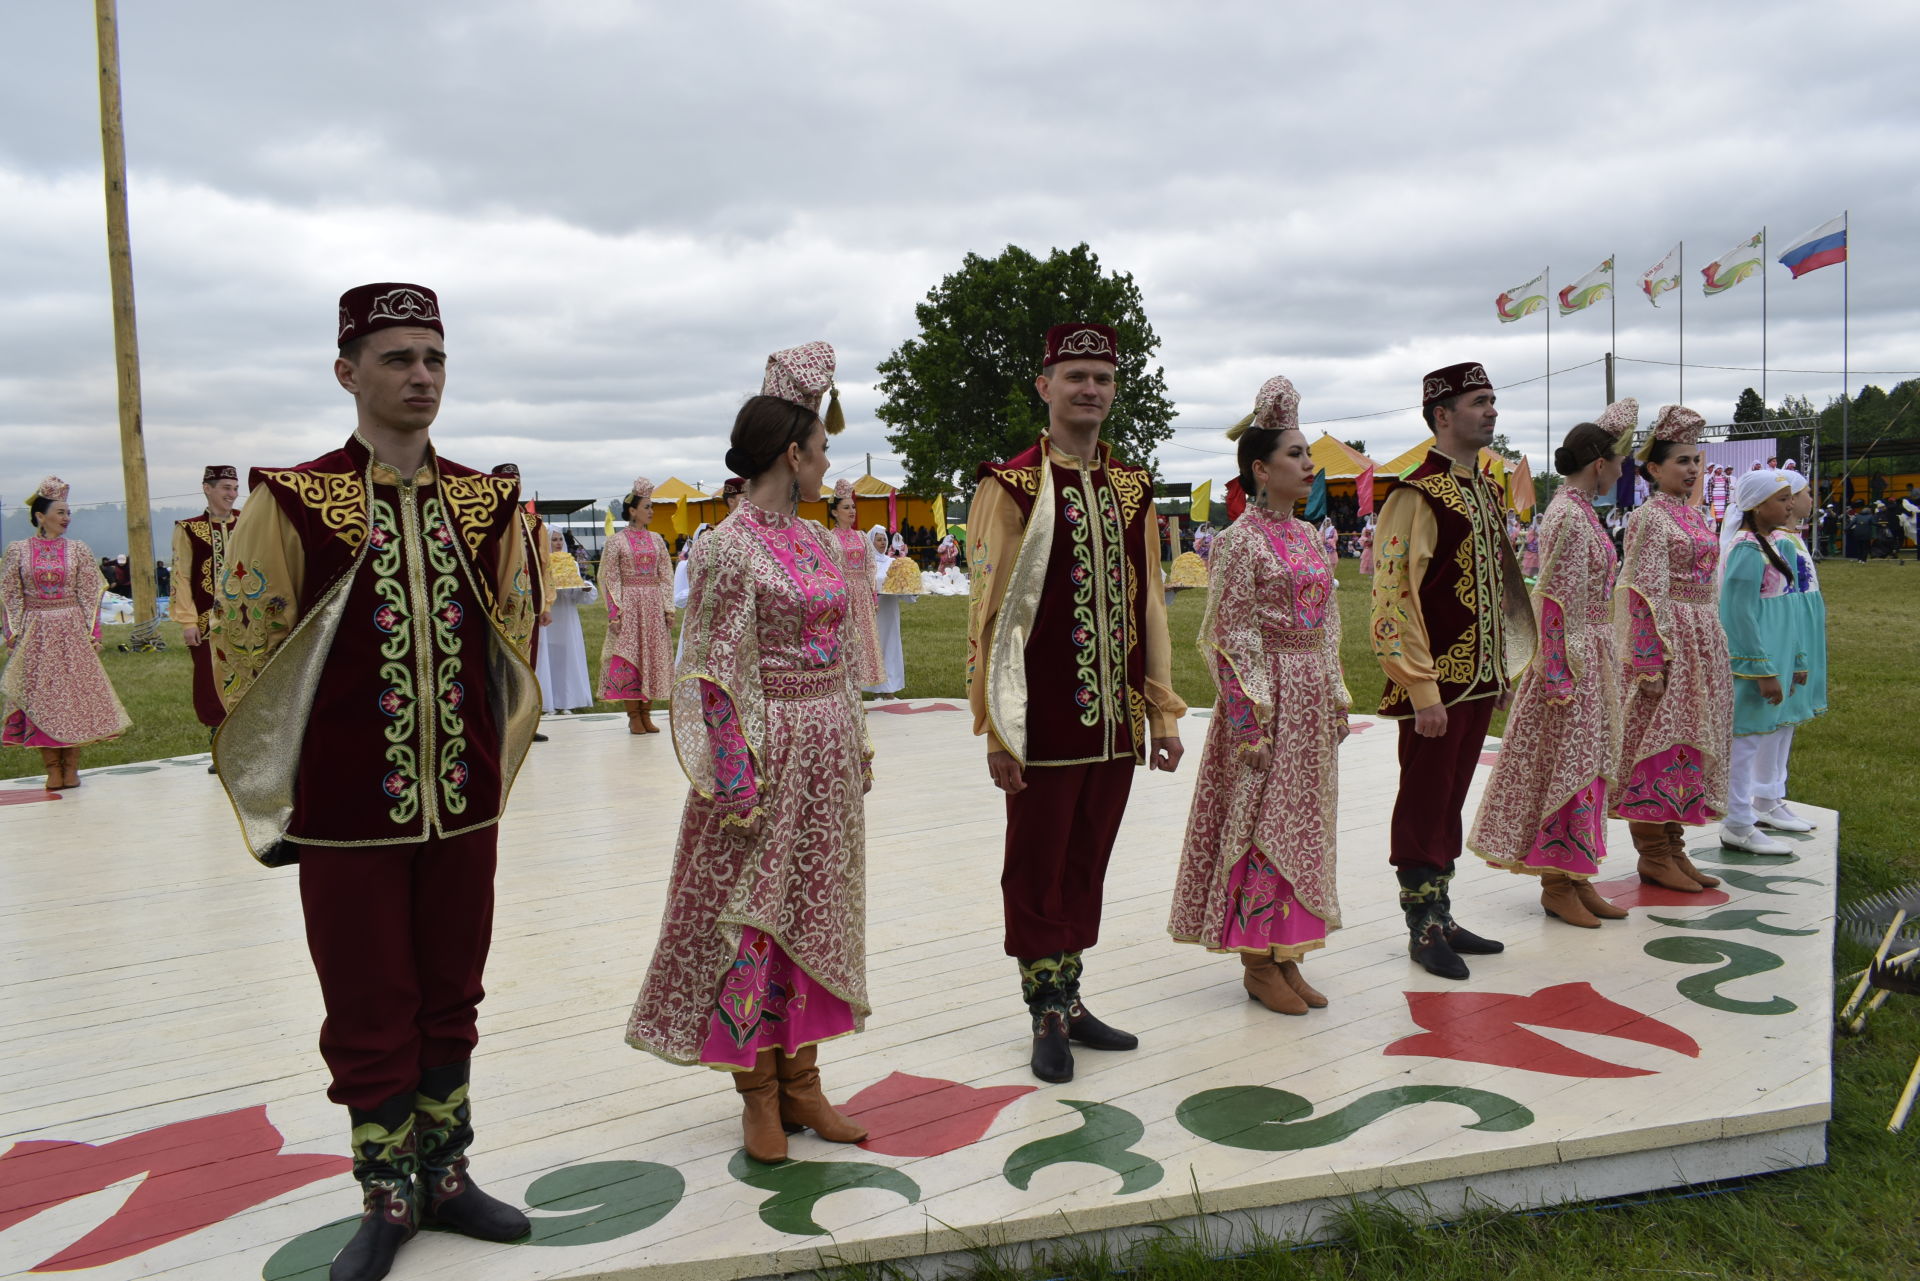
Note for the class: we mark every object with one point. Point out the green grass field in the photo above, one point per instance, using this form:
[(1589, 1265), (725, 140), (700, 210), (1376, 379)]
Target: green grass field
[(1857, 1217)]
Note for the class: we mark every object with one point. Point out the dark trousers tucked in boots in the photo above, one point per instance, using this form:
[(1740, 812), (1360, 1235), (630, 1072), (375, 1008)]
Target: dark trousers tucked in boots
[(1060, 833), (443, 1126), (1435, 774), (386, 1161), (1043, 985), (1423, 902), (399, 937)]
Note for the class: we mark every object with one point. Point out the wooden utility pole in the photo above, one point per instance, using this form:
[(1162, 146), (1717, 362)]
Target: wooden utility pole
[(126, 346)]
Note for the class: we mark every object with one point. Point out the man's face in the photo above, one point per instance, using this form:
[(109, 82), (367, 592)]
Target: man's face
[(1079, 393), (222, 495), (397, 376), (1471, 419)]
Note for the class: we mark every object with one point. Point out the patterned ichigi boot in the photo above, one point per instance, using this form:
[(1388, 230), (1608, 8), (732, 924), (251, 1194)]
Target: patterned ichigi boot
[(1047, 1001), (1421, 889), (1463, 941), (385, 1161), (443, 1122), (1082, 1026)]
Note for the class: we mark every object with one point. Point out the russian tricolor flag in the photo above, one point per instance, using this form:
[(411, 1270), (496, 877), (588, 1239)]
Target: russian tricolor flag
[(1821, 247)]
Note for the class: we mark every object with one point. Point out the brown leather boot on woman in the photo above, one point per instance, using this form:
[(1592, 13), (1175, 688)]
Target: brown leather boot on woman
[(634, 713), (1677, 844), (70, 766), (802, 1103), (1290, 971), (1264, 984), (759, 1090), (1560, 899), (1595, 902), (646, 719), (1656, 859), (55, 767)]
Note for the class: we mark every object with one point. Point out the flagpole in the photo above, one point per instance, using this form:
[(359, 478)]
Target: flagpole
[(1765, 262), (1613, 307), (1682, 291), (1846, 379), (1549, 278)]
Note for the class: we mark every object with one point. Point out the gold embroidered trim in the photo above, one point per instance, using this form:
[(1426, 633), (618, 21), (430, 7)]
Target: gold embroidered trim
[(339, 499)]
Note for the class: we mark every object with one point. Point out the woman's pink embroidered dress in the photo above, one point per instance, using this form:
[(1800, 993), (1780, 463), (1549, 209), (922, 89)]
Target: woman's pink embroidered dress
[(1257, 869), (54, 692), (763, 938), (863, 607), (636, 578), (1545, 806), (1675, 745)]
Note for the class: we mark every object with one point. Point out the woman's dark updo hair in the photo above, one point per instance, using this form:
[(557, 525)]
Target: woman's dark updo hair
[(627, 505), (762, 430), (1586, 443), (37, 508), (1257, 444), (1660, 451)]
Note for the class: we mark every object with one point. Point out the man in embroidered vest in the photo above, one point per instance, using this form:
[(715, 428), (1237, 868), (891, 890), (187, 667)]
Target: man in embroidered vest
[(378, 707), (1452, 628), (199, 552), (1069, 673)]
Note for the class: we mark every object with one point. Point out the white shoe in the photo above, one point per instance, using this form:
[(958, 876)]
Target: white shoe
[(1752, 840), (1781, 819)]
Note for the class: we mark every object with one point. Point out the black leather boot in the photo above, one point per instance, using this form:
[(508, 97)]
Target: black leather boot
[(385, 1161), (443, 1120), (1421, 891), (1046, 997), (1082, 1026), (1459, 938)]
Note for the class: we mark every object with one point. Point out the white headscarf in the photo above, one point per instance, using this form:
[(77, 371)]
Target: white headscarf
[(1752, 489), (687, 551), (877, 539)]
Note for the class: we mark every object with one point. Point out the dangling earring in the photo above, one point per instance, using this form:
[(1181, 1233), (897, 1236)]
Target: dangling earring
[(794, 495)]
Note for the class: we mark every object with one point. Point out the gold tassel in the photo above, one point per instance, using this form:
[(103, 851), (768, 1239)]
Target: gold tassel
[(1239, 429), (835, 420)]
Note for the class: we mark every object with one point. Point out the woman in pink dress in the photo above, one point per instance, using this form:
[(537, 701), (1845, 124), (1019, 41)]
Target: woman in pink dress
[(862, 634), (1366, 549), (762, 950), (1530, 552), (636, 577), (54, 694), (1257, 867), (1678, 683), (1544, 812)]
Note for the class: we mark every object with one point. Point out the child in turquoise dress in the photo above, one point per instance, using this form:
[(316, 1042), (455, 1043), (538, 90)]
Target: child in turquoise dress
[(1765, 632), (1810, 608)]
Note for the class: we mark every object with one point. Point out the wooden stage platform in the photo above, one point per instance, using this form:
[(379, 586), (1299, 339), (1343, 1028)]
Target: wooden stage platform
[(163, 1096)]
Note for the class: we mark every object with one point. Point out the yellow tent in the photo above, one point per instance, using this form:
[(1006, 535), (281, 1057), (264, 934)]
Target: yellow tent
[(1399, 467), (1490, 462), (673, 489), (1338, 459)]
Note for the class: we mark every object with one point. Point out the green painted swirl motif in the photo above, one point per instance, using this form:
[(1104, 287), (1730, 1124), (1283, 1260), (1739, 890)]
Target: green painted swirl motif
[(799, 1186), (1742, 961), (1258, 1118), (1105, 1137)]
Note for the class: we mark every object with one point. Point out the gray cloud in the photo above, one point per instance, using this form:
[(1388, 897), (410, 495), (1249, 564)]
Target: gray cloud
[(625, 206)]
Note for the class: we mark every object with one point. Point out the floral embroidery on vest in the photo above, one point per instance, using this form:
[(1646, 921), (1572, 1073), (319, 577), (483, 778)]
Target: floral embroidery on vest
[(401, 696)]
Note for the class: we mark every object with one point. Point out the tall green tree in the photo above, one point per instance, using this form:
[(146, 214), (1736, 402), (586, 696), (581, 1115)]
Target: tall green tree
[(962, 391), (1749, 408)]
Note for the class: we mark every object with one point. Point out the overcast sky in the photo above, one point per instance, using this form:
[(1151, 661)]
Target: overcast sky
[(625, 206)]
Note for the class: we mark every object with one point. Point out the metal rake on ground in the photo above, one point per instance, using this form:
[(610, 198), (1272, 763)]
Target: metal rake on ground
[(1884, 922)]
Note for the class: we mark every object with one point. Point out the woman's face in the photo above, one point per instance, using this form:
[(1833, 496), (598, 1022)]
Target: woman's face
[(1607, 471), (1800, 506), (1677, 473), (55, 519), (809, 459), (1288, 471), (640, 513), (844, 512)]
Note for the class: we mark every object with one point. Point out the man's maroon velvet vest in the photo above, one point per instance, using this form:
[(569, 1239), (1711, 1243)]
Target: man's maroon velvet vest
[(206, 537), (1086, 657), (1460, 598), (402, 739)]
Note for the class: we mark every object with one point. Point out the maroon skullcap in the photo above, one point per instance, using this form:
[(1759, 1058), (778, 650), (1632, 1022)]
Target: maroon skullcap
[(508, 469), (1454, 380), (368, 308), (1081, 341), (733, 485), (217, 472)]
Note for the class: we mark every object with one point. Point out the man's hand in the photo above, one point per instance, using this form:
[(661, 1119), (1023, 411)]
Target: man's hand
[(1342, 731), (1799, 678), (1006, 772), (1431, 722), (1770, 690), (1166, 754), (1504, 701), (546, 617), (190, 633)]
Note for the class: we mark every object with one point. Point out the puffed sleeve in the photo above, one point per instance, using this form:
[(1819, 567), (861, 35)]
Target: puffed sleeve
[(1405, 536), (258, 601)]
